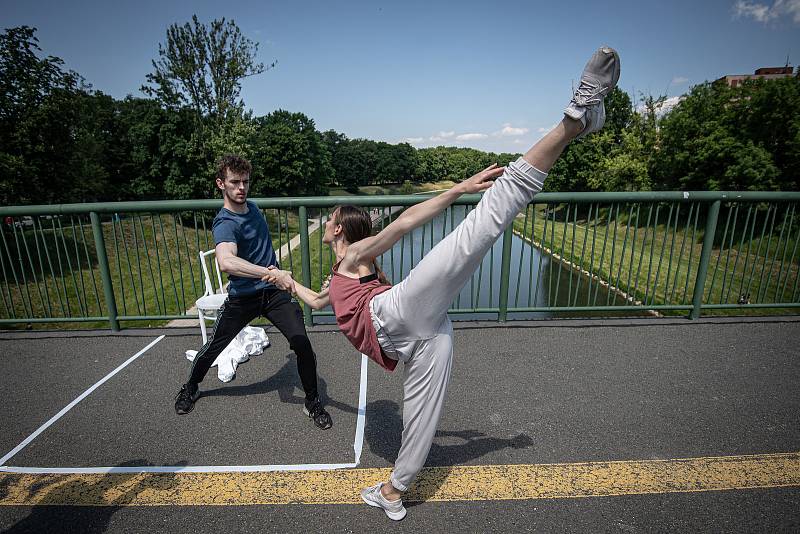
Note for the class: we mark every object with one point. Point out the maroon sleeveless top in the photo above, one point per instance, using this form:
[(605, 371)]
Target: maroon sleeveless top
[(350, 302)]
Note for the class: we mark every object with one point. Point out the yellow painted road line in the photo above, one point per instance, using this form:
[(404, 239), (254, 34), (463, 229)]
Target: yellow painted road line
[(462, 483)]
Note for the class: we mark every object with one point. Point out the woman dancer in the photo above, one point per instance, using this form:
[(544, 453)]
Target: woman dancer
[(408, 322)]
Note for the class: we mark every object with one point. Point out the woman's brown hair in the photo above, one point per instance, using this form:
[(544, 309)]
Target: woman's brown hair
[(357, 225)]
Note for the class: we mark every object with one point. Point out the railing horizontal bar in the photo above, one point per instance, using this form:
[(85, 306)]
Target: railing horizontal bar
[(103, 319), (157, 206), (455, 312), (665, 307), (677, 307), (740, 306), (154, 317)]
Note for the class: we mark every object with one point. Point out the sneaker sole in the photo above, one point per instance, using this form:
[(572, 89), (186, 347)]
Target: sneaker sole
[(617, 68), (394, 516)]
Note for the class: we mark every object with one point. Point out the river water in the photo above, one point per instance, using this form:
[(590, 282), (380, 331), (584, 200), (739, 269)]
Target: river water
[(535, 278)]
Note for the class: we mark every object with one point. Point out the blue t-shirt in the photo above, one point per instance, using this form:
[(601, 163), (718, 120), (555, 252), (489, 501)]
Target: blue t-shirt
[(250, 233)]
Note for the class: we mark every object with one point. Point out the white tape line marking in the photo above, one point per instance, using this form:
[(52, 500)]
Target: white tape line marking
[(173, 469), (358, 444), (69, 406)]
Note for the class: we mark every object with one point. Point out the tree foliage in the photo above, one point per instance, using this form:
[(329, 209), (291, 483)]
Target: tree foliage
[(44, 128), (292, 158), (61, 141), (203, 66), (732, 138)]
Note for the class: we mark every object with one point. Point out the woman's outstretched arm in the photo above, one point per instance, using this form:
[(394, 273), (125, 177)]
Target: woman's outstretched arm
[(368, 249), (283, 280)]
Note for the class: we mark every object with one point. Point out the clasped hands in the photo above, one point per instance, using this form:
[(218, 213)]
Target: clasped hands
[(281, 279)]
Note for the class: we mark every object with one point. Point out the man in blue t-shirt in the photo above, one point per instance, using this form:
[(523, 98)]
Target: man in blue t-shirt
[(244, 251)]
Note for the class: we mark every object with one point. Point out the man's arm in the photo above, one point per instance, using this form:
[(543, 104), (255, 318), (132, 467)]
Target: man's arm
[(230, 263), (283, 280)]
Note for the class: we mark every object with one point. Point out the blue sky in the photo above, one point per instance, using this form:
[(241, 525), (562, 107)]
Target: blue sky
[(489, 75)]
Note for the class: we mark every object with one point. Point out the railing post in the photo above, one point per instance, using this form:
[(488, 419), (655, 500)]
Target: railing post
[(505, 269), (305, 259), (705, 254), (105, 272)]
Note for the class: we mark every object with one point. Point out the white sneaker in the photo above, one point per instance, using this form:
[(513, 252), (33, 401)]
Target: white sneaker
[(373, 497), (599, 77)]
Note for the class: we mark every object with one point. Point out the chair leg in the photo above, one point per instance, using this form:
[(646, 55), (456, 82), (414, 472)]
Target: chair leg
[(202, 326)]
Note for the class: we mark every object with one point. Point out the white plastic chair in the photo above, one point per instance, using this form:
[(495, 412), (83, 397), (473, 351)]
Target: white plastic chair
[(209, 304)]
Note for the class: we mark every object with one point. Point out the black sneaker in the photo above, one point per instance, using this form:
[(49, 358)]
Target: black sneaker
[(184, 401), (318, 414)]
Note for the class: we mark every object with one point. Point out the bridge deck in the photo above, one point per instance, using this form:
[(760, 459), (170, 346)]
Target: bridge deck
[(524, 396)]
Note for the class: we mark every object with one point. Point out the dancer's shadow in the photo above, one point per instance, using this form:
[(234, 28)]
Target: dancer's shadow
[(286, 382), (384, 432), (57, 511)]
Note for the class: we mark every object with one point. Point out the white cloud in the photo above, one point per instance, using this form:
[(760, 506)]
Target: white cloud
[(679, 80), (670, 103), (471, 137), (442, 136), (760, 12), (510, 131), (665, 107), (765, 13), (413, 140)]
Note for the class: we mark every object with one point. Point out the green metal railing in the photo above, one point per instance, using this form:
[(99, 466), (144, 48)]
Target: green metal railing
[(652, 252)]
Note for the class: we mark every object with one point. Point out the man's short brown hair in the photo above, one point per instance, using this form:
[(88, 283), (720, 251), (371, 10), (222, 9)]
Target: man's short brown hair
[(236, 164)]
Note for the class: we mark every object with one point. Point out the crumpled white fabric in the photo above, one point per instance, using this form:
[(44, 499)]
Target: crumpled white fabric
[(251, 341)]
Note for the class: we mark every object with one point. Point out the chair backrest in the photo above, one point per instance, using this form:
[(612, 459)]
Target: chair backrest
[(206, 275)]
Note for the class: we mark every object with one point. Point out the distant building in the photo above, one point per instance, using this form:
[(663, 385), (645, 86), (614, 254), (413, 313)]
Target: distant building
[(767, 73)]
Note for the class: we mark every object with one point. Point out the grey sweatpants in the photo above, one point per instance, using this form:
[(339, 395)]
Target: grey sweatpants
[(411, 318)]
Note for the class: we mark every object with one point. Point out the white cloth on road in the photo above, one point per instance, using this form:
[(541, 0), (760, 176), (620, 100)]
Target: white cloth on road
[(251, 341)]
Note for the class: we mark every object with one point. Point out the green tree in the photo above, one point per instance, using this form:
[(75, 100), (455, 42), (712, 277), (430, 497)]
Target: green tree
[(724, 138), (619, 111), (52, 130), (203, 66), (579, 163), (431, 164), (455, 163), (335, 142), (766, 113), (290, 156), (356, 163), (623, 165), (160, 160), (395, 163)]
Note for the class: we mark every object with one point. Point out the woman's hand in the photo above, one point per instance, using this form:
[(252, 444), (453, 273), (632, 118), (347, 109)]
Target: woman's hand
[(481, 181), (282, 279)]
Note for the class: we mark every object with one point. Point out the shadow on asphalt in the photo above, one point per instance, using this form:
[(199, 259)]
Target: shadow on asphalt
[(384, 430), (286, 381), (52, 516)]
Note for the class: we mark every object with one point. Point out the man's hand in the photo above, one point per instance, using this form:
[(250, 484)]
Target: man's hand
[(282, 279), (481, 181)]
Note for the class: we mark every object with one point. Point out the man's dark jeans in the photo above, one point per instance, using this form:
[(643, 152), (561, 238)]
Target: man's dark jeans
[(278, 308)]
